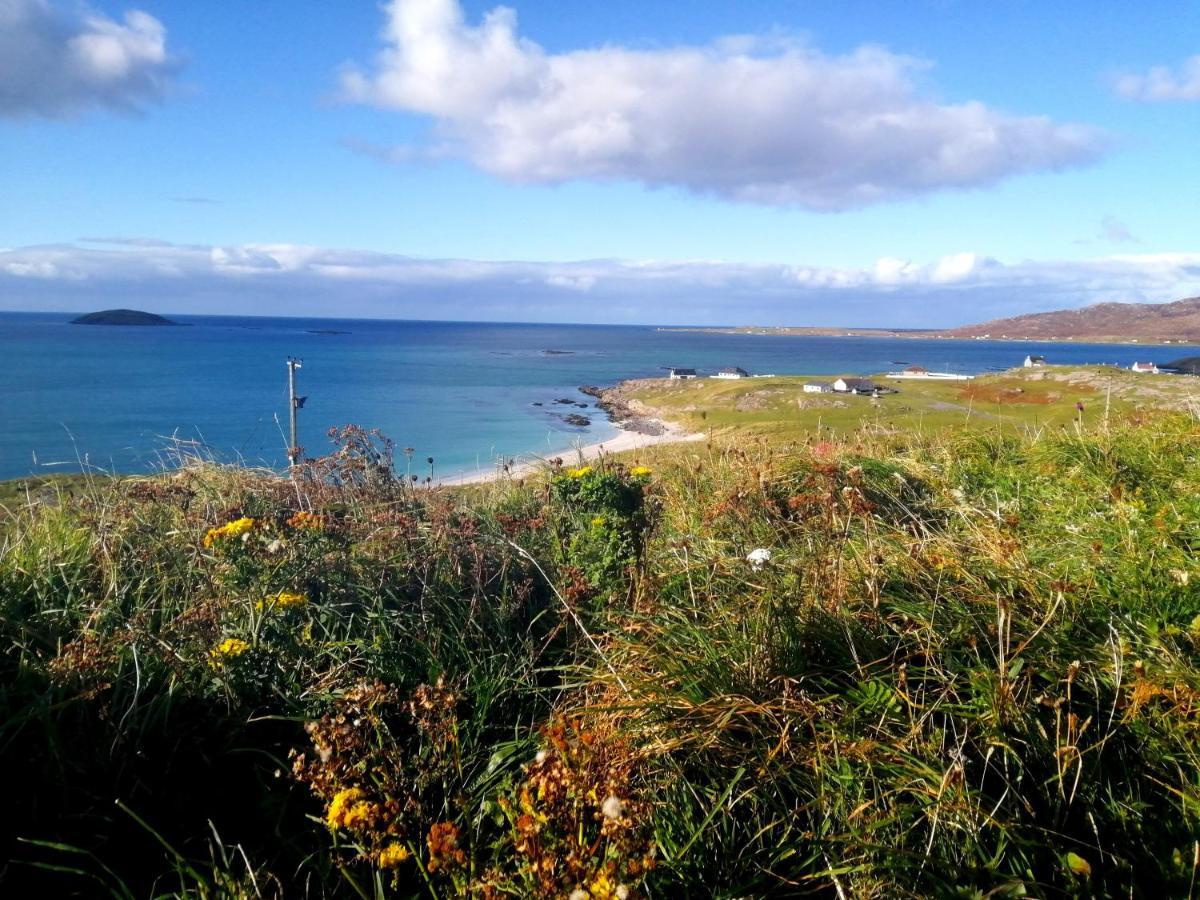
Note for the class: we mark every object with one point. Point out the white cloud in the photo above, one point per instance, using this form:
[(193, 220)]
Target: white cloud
[(287, 279), (762, 121), (55, 63), (1161, 84)]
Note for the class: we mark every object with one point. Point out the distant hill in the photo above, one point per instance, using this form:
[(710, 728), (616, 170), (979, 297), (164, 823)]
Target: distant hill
[(122, 317), (1178, 321)]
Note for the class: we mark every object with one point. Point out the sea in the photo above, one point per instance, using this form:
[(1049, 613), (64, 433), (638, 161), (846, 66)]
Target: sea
[(120, 399)]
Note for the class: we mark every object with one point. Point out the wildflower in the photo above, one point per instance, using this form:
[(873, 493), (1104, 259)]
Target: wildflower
[(444, 851), (230, 648), (392, 855), (236, 528), (640, 472), (601, 886), (579, 894), (612, 807), (598, 522), (758, 558), (622, 892), (581, 472), (306, 520), (349, 810), (341, 802), (283, 600)]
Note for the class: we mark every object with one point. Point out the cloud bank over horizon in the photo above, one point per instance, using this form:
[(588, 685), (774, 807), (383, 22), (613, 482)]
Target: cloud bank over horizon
[(289, 279), (768, 121), (56, 63)]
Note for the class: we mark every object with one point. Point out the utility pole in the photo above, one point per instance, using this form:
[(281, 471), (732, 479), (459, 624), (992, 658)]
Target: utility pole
[(294, 403)]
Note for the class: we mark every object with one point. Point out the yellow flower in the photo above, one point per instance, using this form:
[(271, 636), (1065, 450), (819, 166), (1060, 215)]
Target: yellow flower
[(359, 814), (235, 528), (598, 522), (341, 803), (640, 471), (283, 600), (392, 855), (580, 472), (601, 886), (230, 648)]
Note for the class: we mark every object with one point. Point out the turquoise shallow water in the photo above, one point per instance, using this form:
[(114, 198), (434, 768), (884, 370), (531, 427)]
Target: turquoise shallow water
[(463, 393)]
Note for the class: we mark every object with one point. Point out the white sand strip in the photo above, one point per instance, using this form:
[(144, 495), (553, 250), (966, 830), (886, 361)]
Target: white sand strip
[(526, 465)]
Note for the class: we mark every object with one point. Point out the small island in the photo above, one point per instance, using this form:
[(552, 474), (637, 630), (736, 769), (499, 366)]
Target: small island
[(122, 317)]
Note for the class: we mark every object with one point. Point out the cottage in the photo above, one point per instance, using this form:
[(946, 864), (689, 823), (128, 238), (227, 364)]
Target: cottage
[(855, 386), (916, 370), (817, 387), (1147, 368), (677, 374), (732, 372), (1031, 361)]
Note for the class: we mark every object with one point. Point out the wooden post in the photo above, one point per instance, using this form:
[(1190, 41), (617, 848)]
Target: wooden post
[(293, 404)]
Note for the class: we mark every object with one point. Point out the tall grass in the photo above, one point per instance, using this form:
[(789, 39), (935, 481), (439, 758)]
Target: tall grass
[(961, 664)]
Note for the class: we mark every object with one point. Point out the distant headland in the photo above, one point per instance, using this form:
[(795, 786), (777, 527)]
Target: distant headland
[(1102, 323), (122, 317)]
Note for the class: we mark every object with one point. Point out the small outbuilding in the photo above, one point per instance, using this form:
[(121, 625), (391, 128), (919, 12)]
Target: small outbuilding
[(817, 387), (1031, 361), (1147, 368), (732, 372), (678, 374)]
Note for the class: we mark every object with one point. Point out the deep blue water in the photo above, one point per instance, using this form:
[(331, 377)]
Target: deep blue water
[(463, 393)]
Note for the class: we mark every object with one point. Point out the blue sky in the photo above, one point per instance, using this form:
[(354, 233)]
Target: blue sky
[(785, 162)]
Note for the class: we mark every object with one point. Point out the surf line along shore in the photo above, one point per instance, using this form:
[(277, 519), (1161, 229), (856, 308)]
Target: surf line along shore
[(637, 430)]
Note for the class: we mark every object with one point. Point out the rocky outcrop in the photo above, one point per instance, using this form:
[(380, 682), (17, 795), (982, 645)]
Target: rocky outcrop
[(623, 411)]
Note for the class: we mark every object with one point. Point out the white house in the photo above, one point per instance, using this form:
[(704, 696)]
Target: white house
[(855, 386), (732, 372), (1031, 361), (817, 387), (1148, 368), (681, 374)]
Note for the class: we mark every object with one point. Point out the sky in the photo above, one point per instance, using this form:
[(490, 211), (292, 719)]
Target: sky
[(930, 163)]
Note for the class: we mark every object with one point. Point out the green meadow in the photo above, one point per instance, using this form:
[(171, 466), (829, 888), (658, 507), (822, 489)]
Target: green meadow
[(1018, 399), (948, 645)]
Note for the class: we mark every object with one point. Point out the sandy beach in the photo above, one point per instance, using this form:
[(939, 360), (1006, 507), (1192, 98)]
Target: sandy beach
[(524, 466)]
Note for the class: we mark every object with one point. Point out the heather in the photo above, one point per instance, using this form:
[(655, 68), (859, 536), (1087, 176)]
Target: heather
[(877, 664)]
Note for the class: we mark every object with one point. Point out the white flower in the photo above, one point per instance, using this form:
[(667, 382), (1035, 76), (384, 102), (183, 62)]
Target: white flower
[(758, 558), (612, 807), (541, 756), (579, 894), (622, 892)]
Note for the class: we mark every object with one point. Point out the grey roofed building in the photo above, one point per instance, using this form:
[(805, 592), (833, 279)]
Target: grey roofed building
[(855, 386)]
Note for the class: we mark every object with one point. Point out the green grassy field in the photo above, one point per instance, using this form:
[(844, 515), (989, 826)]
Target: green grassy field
[(877, 662), (1020, 399)]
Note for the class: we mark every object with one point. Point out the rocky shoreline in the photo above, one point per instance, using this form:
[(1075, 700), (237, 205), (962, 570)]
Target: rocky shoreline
[(624, 411)]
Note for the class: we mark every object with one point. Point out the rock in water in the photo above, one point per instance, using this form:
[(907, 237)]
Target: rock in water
[(122, 317)]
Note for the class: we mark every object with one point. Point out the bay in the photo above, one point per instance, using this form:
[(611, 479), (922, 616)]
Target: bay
[(114, 397)]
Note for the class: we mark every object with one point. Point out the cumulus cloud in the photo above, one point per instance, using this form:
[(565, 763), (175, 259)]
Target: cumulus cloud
[(285, 279), (1161, 84), (56, 63), (769, 121)]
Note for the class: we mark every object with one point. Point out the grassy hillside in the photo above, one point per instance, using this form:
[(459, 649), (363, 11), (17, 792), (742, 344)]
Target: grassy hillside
[(1016, 400), (877, 662)]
